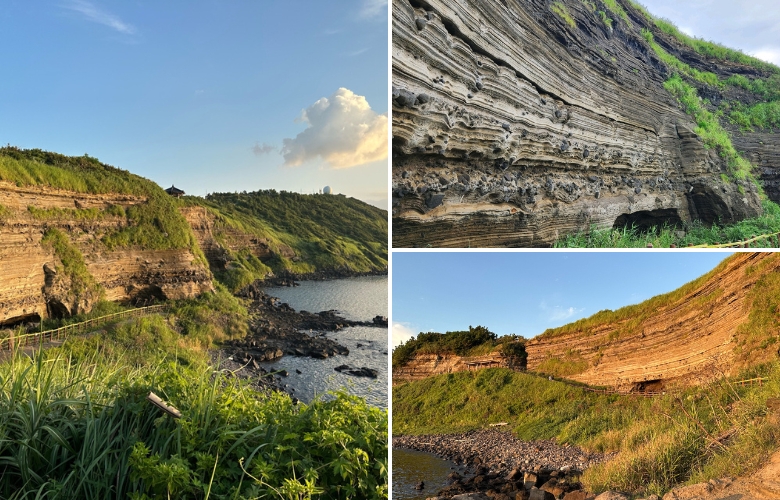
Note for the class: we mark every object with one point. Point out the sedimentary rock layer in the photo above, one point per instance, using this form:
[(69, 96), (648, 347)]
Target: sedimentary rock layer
[(30, 287), (689, 340), (511, 128), (427, 365)]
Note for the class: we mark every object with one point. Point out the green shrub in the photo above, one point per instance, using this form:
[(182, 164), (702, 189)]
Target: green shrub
[(459, 342), (85, 430), (560, 9)]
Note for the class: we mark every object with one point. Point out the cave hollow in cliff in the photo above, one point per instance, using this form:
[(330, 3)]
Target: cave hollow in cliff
[(708, 206), (644, 220)]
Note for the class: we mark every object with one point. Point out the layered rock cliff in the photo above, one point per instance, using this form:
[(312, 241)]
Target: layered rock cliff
[(693, 336), (428, 365), (718, 324), (514, 125), (40, 279)]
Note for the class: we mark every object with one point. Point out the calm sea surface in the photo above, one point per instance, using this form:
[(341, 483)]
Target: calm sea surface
[(357, 299), (411, 467)]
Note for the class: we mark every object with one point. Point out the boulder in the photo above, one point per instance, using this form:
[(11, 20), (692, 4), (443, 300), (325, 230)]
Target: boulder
[(540, 494)]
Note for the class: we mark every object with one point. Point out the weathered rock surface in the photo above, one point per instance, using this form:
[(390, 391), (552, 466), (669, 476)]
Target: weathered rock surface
[(427, 365), (32, 288), (689, 340), (511, 128)]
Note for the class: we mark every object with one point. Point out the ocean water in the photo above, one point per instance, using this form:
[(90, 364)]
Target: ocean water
[(411, 467), (357, 299)]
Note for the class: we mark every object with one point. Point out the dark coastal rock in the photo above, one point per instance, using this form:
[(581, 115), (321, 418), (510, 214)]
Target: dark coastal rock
[(502, 465), (357, 372)]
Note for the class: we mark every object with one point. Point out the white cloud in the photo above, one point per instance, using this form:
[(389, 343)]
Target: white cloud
[(768, 54), (343, 130), (558, 313), (94, 14), (262, 149), (401, 333), (371, 8)]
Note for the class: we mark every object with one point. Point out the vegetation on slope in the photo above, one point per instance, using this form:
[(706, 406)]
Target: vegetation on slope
[(633, 315), (81, 281), (472, 342), (326, 232), (708, 127), (695, 233), (75, 422), (153, 224), (661, 441)]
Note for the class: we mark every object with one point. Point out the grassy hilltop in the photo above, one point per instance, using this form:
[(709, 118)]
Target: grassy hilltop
[(326, 232)]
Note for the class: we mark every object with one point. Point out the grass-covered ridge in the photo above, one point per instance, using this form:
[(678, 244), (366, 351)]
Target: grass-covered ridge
[(75, 422), (153, 224), (633, 315), (662, 441), (326, 232)]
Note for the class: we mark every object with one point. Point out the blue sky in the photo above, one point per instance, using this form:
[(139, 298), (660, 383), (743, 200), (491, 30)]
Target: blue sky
[(752, 26), (209, 95), (528, 292)]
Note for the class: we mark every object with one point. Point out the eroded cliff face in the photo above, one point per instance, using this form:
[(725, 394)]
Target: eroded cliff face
[(697, 336), (427, 365), (33, 283), (511, 128), (218, 241), (687, 341)]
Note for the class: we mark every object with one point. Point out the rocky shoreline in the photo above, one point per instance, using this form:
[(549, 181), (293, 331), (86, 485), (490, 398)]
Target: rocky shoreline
[(506, 468), (288, 278), (276, 330)]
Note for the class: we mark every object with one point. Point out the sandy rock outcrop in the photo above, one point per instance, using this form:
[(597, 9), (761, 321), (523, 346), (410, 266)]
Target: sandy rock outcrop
[(511, 128), (687, 340), (427, 365), (32, 284)]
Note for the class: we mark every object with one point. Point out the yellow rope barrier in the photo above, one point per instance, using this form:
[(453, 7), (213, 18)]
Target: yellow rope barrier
[(63, 331)]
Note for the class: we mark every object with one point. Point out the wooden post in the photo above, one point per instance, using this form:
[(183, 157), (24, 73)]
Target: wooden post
[(159, 403)]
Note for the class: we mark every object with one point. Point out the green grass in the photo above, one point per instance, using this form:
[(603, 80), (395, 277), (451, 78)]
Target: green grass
[(695, 234), (5, 212), (659, 446), (326, 232), (605, 19), (763, 115), (705, 77), (153, 224), (75, 422), (616, 9), (82, 284), (714, 50), (708, 127), (560, 9)]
